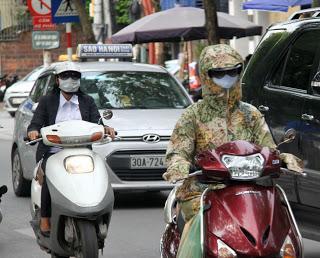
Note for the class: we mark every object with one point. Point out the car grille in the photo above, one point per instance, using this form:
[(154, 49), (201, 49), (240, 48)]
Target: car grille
[(119, 162)]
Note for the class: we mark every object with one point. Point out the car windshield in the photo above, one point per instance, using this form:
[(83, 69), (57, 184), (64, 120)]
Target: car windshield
[(32, 76), (133, 90)]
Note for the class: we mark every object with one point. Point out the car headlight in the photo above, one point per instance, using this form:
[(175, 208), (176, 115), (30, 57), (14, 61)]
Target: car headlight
[(244, 167), (287, 249), (224, 251), (79, 164)]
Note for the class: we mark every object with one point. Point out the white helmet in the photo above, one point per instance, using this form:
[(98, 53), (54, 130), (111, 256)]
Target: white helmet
[(67, 66)]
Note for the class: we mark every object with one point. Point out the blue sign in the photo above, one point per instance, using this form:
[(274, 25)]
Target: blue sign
[(63, 11), (104, 50)]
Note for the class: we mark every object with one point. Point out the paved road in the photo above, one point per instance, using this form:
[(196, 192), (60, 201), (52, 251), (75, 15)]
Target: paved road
[(135, 229)]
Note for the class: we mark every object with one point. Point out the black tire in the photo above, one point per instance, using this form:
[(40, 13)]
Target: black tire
[(21, 186), (88, 240), (12, 114)]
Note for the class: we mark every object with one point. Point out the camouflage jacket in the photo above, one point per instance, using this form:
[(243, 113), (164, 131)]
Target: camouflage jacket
[(219, 118)]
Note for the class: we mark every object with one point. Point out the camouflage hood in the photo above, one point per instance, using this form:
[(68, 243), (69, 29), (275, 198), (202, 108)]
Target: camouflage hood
[(219, 56)]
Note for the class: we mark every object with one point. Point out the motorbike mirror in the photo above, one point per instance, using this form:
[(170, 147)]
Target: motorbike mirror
[(3, 189), (289, 136), (107, 114), (34, 107)]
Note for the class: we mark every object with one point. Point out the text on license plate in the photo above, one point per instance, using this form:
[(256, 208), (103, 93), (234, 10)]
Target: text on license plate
[(147, 161)]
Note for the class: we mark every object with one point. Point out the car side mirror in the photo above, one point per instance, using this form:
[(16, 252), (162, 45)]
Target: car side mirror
[(289, 136), (34, 107), (315, 84)]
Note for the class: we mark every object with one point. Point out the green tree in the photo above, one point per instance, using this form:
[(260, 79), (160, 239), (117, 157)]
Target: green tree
[(85, 20), (315, 3), (122, 12)]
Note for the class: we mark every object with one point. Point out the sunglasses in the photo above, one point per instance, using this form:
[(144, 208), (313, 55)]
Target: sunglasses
[(221, 72), (69, 74)]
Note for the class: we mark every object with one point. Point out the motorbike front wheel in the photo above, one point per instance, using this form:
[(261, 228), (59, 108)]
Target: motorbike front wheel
[(88, 242)]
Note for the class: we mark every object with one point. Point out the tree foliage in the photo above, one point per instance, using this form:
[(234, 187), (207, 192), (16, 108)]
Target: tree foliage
[(122, 11)]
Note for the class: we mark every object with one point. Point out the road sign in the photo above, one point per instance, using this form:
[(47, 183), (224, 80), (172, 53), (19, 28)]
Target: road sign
[(43, 23), (64, 11), (39, 7), (45, 39)]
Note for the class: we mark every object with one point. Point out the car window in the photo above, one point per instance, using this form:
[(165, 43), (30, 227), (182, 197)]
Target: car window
[(133, 90), (38, 89), (297, 66), (51, 84)]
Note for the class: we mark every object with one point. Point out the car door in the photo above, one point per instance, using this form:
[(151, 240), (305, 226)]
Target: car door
[(27, 152), (285, 96), (309, 187)]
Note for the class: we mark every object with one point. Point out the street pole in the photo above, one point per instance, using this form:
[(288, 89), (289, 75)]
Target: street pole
[(46, 58), (98, 21), (69, 41)]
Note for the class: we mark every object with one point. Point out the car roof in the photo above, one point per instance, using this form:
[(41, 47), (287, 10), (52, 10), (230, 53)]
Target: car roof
[(292, 25), (112, 66)]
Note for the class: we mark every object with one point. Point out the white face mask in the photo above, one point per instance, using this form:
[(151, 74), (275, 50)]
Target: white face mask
[(69, 85), (226, 81)]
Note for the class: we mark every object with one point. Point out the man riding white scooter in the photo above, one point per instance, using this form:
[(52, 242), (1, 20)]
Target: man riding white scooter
[(219, 118), (65, 103)]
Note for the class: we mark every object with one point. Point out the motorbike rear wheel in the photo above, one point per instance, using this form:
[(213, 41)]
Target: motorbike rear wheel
[(87, 240)]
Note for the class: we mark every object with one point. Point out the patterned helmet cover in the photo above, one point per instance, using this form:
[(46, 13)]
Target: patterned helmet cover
[(218, 56)]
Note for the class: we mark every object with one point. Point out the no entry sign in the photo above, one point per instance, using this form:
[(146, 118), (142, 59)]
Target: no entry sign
[(41, 12), (39, 7)]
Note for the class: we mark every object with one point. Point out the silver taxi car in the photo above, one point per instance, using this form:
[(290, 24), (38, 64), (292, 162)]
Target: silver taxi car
[(146, 102)]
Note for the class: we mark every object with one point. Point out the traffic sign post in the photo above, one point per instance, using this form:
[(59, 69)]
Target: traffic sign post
[(64, 11), (45, 39)]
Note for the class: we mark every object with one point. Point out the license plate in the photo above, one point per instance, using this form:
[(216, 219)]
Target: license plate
[(17, 100), (147, 161)]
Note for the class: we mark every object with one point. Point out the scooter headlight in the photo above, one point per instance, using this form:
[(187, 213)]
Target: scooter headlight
[(79, 164), (287, 249), (244, 167), (224, 251)]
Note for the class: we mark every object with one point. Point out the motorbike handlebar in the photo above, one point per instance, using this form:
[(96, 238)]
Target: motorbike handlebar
[(292, 172), (28, 142)]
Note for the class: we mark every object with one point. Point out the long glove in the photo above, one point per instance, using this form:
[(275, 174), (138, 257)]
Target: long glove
[(177, 171), (292, 162)]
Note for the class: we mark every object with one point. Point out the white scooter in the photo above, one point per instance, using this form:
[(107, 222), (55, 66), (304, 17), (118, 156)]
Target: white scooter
[(81, 194)]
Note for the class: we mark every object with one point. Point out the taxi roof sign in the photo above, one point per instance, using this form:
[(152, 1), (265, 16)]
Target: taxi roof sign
[(104, 51)]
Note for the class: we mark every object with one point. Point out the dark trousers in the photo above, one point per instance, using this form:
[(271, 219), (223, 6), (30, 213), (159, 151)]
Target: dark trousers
[(45, 194)]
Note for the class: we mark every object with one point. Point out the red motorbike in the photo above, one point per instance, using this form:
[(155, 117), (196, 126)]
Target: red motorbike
[(244, 219)]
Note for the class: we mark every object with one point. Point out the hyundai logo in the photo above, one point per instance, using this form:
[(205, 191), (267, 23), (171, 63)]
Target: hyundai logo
[(151, 138)]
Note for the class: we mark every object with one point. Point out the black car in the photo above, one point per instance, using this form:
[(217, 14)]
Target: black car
[(282, 80)]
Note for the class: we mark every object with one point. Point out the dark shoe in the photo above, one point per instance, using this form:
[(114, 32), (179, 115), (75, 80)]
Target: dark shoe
[(45, 233)]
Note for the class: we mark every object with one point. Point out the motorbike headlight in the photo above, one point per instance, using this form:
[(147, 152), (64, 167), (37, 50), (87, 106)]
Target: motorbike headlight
[(224, 251), (244, 167), (287, 249), (79, 164)]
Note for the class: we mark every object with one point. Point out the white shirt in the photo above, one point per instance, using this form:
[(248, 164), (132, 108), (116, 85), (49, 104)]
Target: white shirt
[(68, 110)]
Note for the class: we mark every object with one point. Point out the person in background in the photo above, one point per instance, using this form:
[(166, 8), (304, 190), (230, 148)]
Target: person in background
[(66, 102)]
